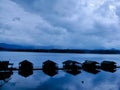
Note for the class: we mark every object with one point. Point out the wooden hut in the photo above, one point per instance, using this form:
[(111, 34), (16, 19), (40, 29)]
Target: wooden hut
[(25, 68), (50, 68), (25, 65), (88, 64), (5, 65), (91, 66), (109, 66), (72, 67)]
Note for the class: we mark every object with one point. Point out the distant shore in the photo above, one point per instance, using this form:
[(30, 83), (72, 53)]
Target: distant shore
[(76, 51)]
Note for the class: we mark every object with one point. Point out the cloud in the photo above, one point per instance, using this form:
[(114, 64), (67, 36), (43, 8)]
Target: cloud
[(69, 82), (27, 28), (66, 23)]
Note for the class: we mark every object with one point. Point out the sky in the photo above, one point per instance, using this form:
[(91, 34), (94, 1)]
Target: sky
[(82, 24)]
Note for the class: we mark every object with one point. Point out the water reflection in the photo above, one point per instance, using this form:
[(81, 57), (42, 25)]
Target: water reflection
[(5, 72), (51, 68), (5, 77), (62, 81)]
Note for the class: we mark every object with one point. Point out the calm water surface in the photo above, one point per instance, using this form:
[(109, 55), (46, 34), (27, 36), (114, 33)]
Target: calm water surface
[(61, 81)]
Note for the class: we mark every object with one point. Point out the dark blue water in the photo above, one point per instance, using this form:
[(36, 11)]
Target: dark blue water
[(62, 81)]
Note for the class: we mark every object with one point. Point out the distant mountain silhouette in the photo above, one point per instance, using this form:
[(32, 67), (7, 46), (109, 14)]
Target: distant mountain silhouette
[(54, 49), (15, 46), (10, 46)]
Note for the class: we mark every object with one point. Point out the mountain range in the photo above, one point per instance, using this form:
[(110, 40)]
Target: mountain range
[(15, 46), (53, 49)]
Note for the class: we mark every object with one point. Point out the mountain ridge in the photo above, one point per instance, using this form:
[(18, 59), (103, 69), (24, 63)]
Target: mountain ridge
[(15, 46), (48, 49)]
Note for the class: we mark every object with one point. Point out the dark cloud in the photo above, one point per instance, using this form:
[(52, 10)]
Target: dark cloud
[(65, 23)]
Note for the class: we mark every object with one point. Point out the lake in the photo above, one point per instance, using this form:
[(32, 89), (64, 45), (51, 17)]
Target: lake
[(62, 81)]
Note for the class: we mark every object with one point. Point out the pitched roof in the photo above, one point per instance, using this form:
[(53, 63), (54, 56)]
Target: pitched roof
[(25, 62)]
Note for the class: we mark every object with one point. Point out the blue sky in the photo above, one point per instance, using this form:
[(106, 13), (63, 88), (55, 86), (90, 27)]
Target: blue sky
[(80, 24)]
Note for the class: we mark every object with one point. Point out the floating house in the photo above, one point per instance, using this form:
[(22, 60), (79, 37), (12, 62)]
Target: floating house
[(25, 65), (5, 65), (72, 67), (109, 66), (90, 66), (50, 68), (25, 68)]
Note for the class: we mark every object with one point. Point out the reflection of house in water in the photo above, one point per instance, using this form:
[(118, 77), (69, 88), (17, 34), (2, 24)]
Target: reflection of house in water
[(50, 68), (109, 66), (5, 72), (25, 68), (90, 66), (5, 77), (72, 67)]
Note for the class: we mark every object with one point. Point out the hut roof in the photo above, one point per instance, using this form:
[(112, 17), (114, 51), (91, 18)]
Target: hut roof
[(90, 62), (49, 62), (70, 61), (5, 62), (109, 62), (25, 62)]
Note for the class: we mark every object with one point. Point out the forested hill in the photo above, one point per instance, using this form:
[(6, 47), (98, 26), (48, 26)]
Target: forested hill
[(17, 48)]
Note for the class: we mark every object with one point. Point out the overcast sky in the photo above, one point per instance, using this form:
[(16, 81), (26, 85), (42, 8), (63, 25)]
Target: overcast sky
[(91, 24)]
